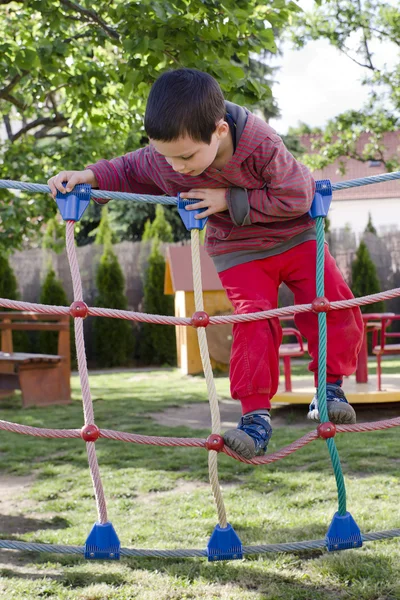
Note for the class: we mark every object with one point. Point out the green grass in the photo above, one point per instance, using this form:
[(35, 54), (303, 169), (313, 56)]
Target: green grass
[(160, 498)]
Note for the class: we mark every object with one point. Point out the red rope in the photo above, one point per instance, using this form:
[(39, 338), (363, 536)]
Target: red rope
[(196, 442), (216, 320)]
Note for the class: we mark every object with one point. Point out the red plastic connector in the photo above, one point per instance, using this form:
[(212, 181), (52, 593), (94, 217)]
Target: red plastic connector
[(320, 304), (326, 430), (90, 433), (215, 442), (79, 309), (200, 319)]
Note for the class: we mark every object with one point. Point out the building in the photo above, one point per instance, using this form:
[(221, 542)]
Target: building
[(350, 207), (179, 281)]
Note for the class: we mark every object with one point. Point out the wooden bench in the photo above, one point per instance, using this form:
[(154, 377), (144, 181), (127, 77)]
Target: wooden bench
[(380, 345), (42, 378)]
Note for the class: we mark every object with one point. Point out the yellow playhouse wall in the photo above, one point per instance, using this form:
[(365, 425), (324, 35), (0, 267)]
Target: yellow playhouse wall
[(188, 352)]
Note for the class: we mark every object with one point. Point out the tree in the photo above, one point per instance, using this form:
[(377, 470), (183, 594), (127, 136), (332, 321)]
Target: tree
[(52, 292), (9, 290), (54, 236), (8, 281), (103, 233), (370, 226), (75, 81), (158, 345), (353, 27), (365, 278), (160, 228), (113, 338)]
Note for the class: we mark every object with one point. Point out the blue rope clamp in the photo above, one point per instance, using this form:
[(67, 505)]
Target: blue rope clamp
[(187, 216), (73, 204), (224, 544), (343, 533), (102, 543), (322, 199)]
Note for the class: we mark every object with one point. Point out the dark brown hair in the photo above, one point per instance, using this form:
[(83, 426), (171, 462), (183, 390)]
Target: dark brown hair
[(184, 102)]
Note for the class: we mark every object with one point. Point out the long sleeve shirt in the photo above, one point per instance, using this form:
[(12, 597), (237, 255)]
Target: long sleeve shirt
[(269, 191)]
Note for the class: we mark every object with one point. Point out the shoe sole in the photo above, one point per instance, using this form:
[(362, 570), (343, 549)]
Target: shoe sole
[(240, 442), (339, 413)]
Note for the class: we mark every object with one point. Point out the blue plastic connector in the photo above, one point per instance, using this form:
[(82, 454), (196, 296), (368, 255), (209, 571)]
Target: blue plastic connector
[(187, 216), (322, 199), (102, 542), (73, 204), (343, 533), (224, 544)]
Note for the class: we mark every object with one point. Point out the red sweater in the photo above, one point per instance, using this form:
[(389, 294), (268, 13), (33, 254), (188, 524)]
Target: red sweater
[(279, 194)]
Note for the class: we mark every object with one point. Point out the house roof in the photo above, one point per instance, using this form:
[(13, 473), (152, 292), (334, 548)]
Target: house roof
[(179, 273), (355, 169)]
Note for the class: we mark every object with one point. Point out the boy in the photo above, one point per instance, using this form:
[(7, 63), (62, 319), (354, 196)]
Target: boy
[(259, 234)]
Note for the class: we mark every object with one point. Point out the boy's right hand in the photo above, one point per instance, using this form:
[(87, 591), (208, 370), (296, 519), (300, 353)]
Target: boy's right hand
[(72, 178)]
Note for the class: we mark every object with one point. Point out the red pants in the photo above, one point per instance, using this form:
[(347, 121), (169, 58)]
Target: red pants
[(253, 286)]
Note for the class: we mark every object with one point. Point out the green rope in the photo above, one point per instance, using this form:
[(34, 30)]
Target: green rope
[(322, 405)]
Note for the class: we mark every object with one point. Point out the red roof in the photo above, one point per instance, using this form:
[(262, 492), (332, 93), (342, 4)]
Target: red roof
[(179, 270), (355, 169)]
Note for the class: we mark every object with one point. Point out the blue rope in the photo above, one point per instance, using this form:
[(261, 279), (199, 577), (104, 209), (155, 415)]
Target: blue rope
[(149, 199), (365, 180), (192, 552)]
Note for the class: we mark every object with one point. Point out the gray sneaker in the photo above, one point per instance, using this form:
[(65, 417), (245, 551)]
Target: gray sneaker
[(251, 436), (340, 411)]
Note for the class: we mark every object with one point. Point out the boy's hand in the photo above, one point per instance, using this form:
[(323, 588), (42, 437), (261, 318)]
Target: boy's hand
[(214, 199), (72, 178)]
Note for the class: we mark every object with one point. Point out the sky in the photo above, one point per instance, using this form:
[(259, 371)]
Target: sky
[(315, 84), (318, 82)]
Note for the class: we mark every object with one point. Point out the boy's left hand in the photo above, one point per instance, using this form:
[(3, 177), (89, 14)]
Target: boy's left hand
[(214, 199)]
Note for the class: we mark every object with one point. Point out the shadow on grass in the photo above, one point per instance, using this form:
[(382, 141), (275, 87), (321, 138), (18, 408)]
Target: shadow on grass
[(10, 525)]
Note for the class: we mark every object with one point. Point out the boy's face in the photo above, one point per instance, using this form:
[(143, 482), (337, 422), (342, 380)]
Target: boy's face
[(189, 157)]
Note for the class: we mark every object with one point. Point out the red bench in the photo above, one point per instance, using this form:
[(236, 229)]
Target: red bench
[(382, 344), (291, 350)]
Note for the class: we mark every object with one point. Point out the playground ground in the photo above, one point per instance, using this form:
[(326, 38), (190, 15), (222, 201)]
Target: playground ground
[(160, 497)]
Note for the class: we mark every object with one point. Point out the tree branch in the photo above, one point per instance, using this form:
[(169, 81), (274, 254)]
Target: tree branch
[(91, 15), (20, 105), (346, 52), (7, 124), (57, 121), (7, 89), (365, 40)]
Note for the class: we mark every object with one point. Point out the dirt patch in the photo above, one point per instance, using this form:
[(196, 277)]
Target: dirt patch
[(12, 492), (197, 416)]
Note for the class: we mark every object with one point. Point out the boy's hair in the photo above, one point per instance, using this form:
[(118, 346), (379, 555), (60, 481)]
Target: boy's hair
[(184, 102)]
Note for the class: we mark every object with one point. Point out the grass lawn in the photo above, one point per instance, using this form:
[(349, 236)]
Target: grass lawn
[(160, 498)]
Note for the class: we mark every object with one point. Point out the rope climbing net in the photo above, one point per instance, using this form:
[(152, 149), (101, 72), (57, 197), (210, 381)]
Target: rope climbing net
[(224, 543)]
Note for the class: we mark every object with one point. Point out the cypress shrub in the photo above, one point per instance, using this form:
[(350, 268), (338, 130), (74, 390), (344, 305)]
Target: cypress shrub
[(364, 278), (8, 281), (9, 290), (53, 293), (158, 344), (364, 282), (113, 338), (159, 228)]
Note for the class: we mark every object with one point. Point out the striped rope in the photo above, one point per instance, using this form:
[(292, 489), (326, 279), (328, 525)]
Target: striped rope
[(84, 375), (322, 354), (208, 374), (146, 198), (128, 315), (193, 552)]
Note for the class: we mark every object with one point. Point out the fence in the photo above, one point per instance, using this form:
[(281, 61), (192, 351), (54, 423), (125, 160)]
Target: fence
[(30, 267)]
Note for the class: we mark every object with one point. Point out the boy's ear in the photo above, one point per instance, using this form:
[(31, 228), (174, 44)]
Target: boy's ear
[(222, 129)]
